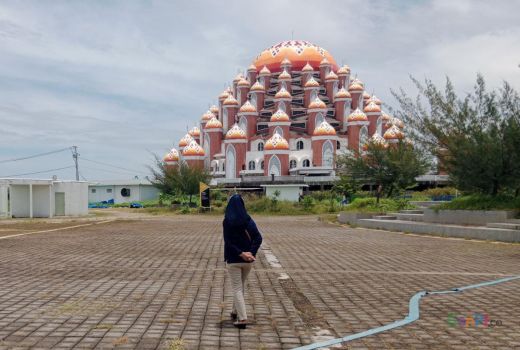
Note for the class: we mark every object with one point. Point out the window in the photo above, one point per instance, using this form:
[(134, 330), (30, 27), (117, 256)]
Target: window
[(327, 154), (252, 165), (306, 163), (93, 190), (281, 106), (292, 164), (319, 119), (261, 146), (109, 190), (230, 162), (275, 166), (314, 94), (299, 145), (262, 165), (363, 138), (379, 127), (338, 145), (278, 131), (125, 192)]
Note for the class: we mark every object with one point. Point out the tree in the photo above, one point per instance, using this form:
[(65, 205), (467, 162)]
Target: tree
[(390, 168), (476, 138), (179, 179)]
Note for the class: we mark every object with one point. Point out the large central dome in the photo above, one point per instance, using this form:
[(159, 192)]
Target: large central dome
[(299, 52)]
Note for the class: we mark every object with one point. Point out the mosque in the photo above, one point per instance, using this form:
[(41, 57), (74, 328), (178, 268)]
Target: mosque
[(289, 115)]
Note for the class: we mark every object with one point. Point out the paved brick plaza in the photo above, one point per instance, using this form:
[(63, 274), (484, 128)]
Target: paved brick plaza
[(148, 283)]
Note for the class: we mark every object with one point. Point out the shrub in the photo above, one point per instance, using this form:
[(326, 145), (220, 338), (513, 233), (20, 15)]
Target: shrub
[(307, 203), (385, 205), (482, 202)]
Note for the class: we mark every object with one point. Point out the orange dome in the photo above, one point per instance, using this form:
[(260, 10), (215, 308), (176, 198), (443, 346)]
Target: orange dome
[(331, 76), (252, 68), (185, 140), (357, 116), (282, 93), (195, 132), (342, 93), (397, 122), (299, 52), (307, 68), (324, 62), (230, 101), (247, 107), (324, 129), (356, 85), (193, 149), (243, 83), (235, 133), (207, 116), (394, 133), (213, 123), (366, 95), (284, 76), (172, 156), (344, 70), (312, 83), (238, 77), (264, 71), (257, 87), (223, 95), (286, 62), (276, 142), (279, 116), (372, 107), (317, 104), (385, 116), (376, 100), (213, 109), (377, 139)]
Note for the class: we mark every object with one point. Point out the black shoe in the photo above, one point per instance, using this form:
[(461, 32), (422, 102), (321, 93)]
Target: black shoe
[(234, 316), (240, 324)]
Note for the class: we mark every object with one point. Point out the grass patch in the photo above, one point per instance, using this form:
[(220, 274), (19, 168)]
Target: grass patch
[(369, 205), (482, 202), (176, 344)]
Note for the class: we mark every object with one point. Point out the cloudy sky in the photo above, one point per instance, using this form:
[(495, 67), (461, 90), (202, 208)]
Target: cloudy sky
[(124, 79)]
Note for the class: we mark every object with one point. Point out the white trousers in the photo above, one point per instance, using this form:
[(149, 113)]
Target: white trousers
[(238, 273)]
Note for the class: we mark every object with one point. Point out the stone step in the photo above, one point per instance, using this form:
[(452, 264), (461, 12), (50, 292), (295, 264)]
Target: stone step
[(513, 221), (504, 225), (385, 217), (409, 217), (411, 211), (471, 232), (426, 204)]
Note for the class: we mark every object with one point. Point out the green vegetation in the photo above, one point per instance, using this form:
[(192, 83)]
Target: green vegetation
[(385, 205), (483, 202)]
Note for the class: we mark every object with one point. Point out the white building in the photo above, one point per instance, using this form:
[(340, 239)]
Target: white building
[(30, 198), (123, 191)]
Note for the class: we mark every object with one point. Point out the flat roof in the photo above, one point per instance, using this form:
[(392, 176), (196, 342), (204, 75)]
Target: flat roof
[(23, 181), (287, 185), (132, 182)]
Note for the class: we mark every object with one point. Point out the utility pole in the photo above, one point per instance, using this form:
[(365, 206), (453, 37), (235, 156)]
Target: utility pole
[(75, 157)]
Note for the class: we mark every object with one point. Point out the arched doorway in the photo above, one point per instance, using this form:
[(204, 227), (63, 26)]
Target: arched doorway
[(230, 162)]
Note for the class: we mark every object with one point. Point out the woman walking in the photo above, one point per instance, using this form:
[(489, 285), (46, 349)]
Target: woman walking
[(241, 243)]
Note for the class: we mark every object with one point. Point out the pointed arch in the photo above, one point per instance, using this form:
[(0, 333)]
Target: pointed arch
[(327, 154), (242, 123), (278, 130), (231, 157), (319, 119), (281, 106), (314, 94), (363, 137), (254, 101), (206, 150), (225, 118), (334, 88), (379, 127), (275, 166)]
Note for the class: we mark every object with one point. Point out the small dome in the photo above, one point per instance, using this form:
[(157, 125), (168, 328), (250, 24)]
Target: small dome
[(264, 71), (193, 149), (366, 95), (356, 85), (324, 62), (307, 68), (286, 62), (238, 77), (377, 139), (195, 132), (344, 70), (235, 133), (279, 116), (342, 93), (375, 99), (172, 156), (324, 129), (357, 116), (247, 107), (257, 87), (252, 68), (331, 76), (284, 76), (224, 95), (372, 107), (276, 142), (213, 109), (230, 101), (282, 93), (394, 133), (397, 122), (207, 116), (385, 116), (312, 83), (243, 83), (213, 123), (185, 140), (317, 104)]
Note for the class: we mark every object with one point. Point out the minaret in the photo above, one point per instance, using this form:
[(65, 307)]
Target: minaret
[(284, 80), (276, 156), (195, 133), (279, 119), (344, 76), (393, 135), (356, 89), (214, 129), (194, 155), (307, 71), (221, 98), (249, 112), (373, 112), (265, 77), (238, 77), (171, 159), (236, 138), (324, 68), (243, 88), (331, 85), (356, 121), (286, 65), (230, 107), (315, 107), (311, 88), (342, 101), (323, 134), (251, 73), (257, 93), (283, 98)]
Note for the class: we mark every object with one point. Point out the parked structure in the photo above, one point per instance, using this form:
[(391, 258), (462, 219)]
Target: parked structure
[(122, 191), (30, 198)]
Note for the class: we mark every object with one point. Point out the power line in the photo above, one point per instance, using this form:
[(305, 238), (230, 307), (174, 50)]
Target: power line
[(110, 171), (113, 166), (34, 156), (40, 172)]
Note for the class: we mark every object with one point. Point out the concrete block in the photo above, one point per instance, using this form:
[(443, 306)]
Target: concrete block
[(467, 217), (504, 225), (347, 217)]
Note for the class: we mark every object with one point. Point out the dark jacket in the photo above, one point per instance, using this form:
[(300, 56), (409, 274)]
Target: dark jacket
[(240, 232)]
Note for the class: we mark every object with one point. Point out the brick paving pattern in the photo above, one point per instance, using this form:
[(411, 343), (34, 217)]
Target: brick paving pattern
[(160, 283)]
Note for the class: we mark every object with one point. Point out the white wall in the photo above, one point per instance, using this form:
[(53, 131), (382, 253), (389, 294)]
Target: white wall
[(4, 204), (41, 201), (289, 193), (101, 194), (20, 201), (76, 197), (134, 194), (148, 192)]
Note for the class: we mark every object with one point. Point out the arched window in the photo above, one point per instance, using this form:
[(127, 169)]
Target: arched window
[(281, 106), (261, 81), (224, 118), (319, 119), (306, 163), (299, 145), (284, 85), (379, 127), (346, 111), (314, 94), (262, 165), (327, 154), (278, 130), (292, 164), (243, 123), (260, 146), (223, 166), (251, 165), (238, 94), (254, 101), (334, 88), (275, 167), (206, 150), (230, 162), (363, 137), (338, 145)]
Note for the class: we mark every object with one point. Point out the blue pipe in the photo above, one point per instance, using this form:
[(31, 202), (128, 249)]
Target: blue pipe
[(413, 314)]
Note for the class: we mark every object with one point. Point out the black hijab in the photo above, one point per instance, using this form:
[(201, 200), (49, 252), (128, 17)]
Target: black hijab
[(236, 213)]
